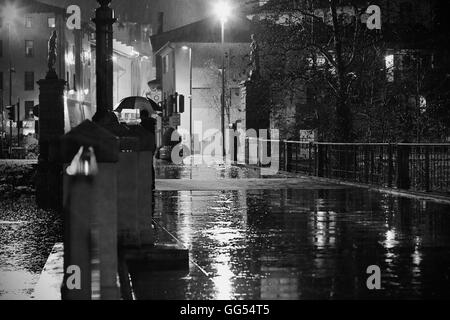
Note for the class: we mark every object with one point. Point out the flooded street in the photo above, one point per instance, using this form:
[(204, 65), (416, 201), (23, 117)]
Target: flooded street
[(295, 240)]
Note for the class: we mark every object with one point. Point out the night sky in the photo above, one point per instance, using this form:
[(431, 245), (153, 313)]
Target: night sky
[(177, 12)]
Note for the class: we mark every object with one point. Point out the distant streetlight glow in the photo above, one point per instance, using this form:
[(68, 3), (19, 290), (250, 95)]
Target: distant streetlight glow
[(185, 47), (222, 10), (9, 12)]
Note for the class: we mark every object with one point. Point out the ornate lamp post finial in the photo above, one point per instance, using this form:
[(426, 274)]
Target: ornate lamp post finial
[(104, 3)]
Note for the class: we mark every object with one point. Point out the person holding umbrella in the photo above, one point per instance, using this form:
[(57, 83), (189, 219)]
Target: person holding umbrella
[(148, 110)]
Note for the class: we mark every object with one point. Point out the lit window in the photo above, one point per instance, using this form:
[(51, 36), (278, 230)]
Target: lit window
[(51, 22), (29, 48), (423, 104), (390, 67), (28, 22), (29, 106), (321, 61)]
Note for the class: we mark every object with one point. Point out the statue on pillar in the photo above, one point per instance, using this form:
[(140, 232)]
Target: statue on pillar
[(52, 46), (254, 58)]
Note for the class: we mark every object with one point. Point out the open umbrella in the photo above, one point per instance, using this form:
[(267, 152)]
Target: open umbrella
[(138, 103)]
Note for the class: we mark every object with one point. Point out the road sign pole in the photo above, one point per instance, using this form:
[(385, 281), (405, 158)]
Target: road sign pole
[(18, 122)]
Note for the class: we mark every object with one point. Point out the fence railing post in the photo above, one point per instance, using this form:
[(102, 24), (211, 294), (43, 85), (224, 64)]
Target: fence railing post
[(403, 178), (390, 166), (427, 170), (288, 156), (321, 160), (366, 164)]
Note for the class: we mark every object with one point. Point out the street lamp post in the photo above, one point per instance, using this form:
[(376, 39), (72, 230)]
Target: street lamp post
[(190, 99), (190, 102), (104, 20), (11, 71), (9, 12), (223, 88), (223, 11)]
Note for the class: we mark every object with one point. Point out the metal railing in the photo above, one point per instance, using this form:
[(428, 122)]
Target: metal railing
[(419, 167)]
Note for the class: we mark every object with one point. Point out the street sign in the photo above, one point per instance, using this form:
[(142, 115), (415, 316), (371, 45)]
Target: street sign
[(308, 135)]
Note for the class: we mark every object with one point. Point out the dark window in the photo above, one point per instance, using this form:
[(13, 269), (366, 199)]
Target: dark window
[(1, 80), (29, 80), (29, 48), (29, 105)]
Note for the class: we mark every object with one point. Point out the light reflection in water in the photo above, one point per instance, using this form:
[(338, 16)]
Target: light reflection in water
[(283, 244), (223, 279), (390, 241)]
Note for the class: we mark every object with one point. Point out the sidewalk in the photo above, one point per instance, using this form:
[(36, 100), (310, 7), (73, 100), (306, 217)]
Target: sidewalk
[(288, 237)]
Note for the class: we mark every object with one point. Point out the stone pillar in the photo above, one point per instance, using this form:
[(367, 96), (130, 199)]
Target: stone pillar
[(145, 193), (104, 20), (127, 178), (90, 208), (51, 128)]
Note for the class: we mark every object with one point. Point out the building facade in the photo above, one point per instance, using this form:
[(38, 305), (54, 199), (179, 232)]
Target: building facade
[(190, 65), (25, 29)]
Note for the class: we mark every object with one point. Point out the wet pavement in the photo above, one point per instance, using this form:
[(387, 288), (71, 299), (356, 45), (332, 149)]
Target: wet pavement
[(260, 237), (27, 236), (296, 239)]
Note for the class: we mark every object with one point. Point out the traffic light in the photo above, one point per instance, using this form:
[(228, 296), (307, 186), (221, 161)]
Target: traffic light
[(11, 113), (181, 103), (170, 104)]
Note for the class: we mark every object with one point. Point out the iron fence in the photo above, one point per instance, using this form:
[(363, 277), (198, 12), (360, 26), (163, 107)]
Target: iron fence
[(419, 167)]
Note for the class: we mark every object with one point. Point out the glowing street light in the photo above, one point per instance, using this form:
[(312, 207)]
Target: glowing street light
[(223, 11), (9, 12)]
